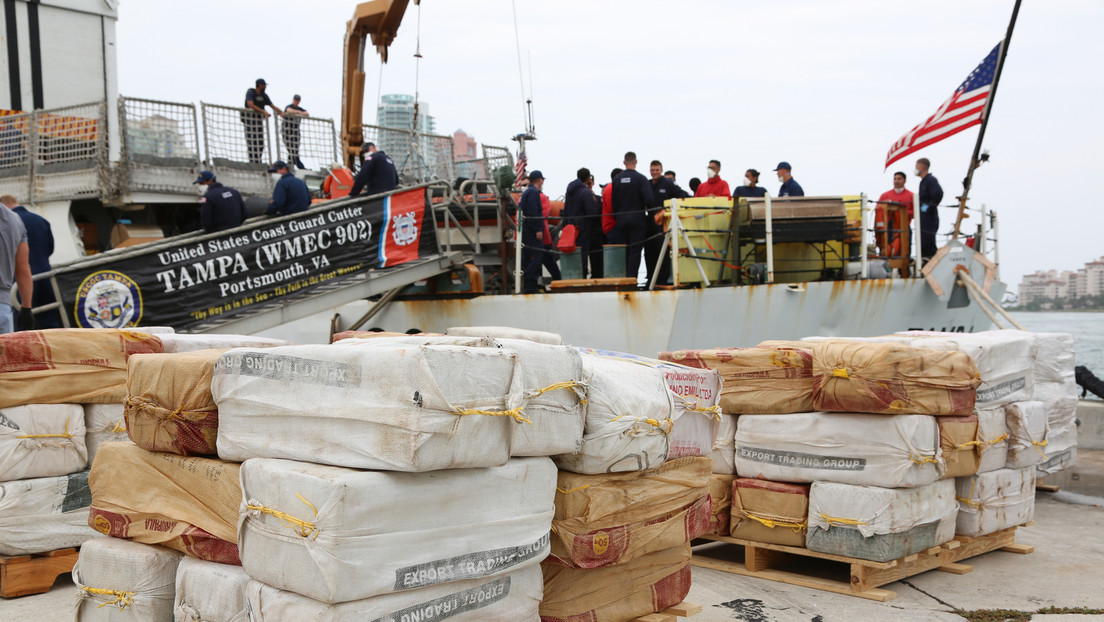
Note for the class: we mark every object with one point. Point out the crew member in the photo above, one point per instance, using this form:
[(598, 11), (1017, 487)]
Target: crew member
[(15, 269), (590, 233), (750, 187), (790, 187), (253, 118), (221, 207), (632, 197), (531, 230), (892, 216), (293, 114), (40, 245), (931, 195), (290, 196), (549, 258), (695, 183), (682, 194), (713, 186), (663, 189), (377, 175), (608, 221)]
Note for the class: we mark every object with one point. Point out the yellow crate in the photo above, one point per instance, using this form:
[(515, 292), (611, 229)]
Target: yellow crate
[(706, 221)]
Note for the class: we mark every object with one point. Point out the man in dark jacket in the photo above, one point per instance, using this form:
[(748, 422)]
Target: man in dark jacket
[(663, 189), (377, 175), (931, 195), (290, 196), (582, 209), (532, 227), (632, 198), (221, 207)]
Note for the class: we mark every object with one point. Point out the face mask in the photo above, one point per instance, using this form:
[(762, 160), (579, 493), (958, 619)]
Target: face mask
[(710, 173), (781, 179), (898, 190), (916, 172), (747, 182)]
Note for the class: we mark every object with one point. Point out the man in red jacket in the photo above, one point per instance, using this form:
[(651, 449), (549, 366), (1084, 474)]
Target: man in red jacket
[(714, 186), (608, 221)]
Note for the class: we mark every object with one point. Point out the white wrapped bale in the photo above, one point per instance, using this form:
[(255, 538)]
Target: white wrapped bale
[(212, 341), (1005, 361), (393, 406), (120, 580), (506, 332), (510, 598), (210, 592), (1027, 433), (377, 532), (629, 417), (894, 451), (724, 451), (103, 423), (990, 502), (45, 514), (1054, 358), (880, 524), (41, 440), (1061, 452), (993, 434)]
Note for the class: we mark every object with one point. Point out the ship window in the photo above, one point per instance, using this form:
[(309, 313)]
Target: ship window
[(959, 297)]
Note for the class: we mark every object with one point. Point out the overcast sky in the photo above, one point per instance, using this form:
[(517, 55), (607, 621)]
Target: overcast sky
[(827, 86)]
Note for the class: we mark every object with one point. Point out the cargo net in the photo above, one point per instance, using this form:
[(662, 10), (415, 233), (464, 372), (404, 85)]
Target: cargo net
[(426, 157), (70, 155), (307, 142), (160, 149), (237, 137), (15, 153)]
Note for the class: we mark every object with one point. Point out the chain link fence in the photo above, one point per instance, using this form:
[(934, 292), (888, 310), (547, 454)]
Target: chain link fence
[(307, 142), (418, 157), (70, 153), (160, 147), (239, 147), (15, 155)]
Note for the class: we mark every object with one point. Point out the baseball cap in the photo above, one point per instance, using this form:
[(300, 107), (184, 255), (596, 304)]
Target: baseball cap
[(277, 166), (535, 175), (784, 165), (261, 81), (204, 176)]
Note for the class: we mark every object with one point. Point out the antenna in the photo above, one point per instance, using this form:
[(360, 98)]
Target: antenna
[(526, 107), (530, 127)]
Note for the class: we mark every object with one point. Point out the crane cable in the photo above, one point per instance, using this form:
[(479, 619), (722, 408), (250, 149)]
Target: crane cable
[(521, 72)]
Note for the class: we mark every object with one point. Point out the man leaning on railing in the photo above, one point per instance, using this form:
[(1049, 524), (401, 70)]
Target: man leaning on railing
[(255, 100)]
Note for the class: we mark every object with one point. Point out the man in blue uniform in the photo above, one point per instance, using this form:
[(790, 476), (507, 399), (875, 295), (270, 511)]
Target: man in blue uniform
[(790, 187), (221, 207), (931, 195), (632, 197), (663, 189), (377, 175), (253, 118), (532, 226), (40, 245), (750, 188), (290, 196), (293, 114)]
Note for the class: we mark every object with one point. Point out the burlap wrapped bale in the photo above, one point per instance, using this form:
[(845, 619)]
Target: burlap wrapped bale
[(616, 593), (210, 592), (1027, 433), (960, 445), (44, 514), (892, 379), (178, 343), (119, 580), (990, 502), (604, 520), (103, 423), (771, 512), (760, 380), (391, 406), (169, 406), (993, 434), (41, 440), (724, 449), (1005, 360), (187, 504), (68, 365), (720, 492), (506, 332)]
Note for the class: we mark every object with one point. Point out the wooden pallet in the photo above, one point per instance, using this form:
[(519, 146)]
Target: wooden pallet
[(845, 575), (613, 284), (21, 575), (672, 614)]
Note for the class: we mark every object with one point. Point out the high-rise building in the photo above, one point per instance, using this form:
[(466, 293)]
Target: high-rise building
[(1051, 285), (434, 157), (464, 153)]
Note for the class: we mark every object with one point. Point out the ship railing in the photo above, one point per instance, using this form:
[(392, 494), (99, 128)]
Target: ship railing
[(419, 157), (240, 147), (159, 149), (55, 154), (311, 141)]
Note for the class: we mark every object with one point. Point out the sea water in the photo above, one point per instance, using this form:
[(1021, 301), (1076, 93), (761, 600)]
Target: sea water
[(1087, 329)]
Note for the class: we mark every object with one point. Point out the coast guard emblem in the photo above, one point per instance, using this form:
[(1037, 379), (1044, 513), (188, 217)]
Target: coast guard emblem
[(404, 229), (108, 299)]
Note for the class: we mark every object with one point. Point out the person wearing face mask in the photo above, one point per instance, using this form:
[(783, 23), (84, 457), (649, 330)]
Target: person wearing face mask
[(890, 217), (750, 188), (931, 195), (790, 187), (713, 186)]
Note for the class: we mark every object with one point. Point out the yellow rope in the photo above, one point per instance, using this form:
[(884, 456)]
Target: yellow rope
[(66, 435), (840, 372), (924, 460), (985, 444), (1039, 444), (771, 523), (665, 425), (831, 520), (304, 529), (694, 405), (969, 444), (516, 413), (119, 428), (967, 501), (121, 596), (570, 384), (571, 490)]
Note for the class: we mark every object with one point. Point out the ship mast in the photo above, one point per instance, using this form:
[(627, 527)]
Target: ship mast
[(978, 158)]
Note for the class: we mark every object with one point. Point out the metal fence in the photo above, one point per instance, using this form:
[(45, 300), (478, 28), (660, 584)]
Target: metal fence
[(239, 147), (15, 155), (160, 146), (307, 142), (54, 154), (418, 157)]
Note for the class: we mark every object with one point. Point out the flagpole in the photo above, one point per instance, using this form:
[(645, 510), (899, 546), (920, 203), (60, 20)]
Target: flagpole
[(974, 162)]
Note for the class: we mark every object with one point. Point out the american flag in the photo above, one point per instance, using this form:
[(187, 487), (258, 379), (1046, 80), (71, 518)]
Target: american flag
[(519, 168), (965, 109)]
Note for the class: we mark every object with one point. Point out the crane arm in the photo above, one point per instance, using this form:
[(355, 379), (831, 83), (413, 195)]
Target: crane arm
[(378, 20)]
